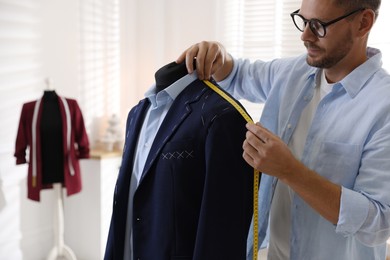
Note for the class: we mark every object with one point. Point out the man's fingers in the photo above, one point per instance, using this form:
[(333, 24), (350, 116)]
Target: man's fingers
[(181, 58), (209, 57), (259, 131)]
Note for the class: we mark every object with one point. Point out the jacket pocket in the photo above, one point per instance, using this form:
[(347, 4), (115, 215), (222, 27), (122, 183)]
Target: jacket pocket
[(179, 150)]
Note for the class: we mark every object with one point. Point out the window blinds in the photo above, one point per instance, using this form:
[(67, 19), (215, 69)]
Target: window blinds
[(100, 59), (20, 74), (261, 29)]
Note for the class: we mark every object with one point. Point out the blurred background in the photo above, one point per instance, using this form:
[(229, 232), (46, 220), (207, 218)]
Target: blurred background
[(104, 54)]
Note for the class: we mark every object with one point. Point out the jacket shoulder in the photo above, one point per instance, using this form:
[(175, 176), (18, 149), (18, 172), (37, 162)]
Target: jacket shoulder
[(222, 102)]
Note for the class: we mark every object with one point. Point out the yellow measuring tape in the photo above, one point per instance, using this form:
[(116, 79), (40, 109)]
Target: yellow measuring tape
[(256, 172)]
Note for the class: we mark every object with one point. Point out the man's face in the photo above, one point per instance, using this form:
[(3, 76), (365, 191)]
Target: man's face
[(328, 55), (326, 52)]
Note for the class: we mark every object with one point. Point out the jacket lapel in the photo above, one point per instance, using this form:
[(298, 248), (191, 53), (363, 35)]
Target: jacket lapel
[(134, 126), (179, 111)]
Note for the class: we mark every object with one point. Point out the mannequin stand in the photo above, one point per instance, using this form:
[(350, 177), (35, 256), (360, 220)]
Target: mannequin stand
[(60, 250)]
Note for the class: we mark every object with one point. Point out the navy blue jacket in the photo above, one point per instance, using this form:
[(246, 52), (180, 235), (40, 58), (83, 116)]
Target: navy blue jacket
[(194, 199)]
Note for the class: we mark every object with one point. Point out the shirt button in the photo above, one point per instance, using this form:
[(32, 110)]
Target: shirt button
[(289, 126)]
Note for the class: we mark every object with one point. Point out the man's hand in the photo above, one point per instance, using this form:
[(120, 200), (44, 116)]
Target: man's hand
[(211, 60), (267, 153)]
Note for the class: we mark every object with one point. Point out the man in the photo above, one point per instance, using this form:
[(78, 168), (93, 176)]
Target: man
[(323, 140)]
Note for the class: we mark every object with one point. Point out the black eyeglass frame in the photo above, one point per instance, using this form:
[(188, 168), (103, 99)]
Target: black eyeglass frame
[(314, 21)]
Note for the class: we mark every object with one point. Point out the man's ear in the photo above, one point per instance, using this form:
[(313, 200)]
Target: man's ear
[(367, 20)]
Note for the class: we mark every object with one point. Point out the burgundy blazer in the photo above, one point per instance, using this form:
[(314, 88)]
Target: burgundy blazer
[(76, 145)]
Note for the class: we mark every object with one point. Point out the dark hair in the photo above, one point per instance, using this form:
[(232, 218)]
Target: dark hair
[(351, 5)]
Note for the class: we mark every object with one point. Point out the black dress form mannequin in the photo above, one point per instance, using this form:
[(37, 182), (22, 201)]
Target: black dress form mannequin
[(52, 154), (51, 140), (168, 74)]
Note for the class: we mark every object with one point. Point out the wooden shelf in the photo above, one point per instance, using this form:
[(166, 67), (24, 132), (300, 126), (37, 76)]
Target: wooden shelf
[(101, 154)]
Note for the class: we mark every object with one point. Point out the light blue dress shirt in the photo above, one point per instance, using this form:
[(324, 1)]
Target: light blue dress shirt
[(348, 143), (159, 105)]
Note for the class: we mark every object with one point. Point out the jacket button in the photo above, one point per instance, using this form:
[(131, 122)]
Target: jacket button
[(138, 219)]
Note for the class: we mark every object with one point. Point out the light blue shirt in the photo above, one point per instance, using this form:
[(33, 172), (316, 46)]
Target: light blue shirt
[(348, 143), (159, 105)]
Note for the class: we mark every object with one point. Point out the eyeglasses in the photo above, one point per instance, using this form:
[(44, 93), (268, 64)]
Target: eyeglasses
[(316, 26)]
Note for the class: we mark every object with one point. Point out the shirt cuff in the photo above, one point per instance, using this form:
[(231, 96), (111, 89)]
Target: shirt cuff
[(21, 160), (353, 212)]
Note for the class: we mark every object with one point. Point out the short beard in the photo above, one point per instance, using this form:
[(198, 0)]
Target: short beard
[(335, 57)]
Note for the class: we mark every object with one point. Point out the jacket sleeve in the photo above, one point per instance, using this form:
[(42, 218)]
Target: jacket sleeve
[(226, 210), (81, 137), (21, 138)]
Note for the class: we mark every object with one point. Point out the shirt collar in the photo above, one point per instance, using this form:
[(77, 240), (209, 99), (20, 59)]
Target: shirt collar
[(355, 80), (170, 93)]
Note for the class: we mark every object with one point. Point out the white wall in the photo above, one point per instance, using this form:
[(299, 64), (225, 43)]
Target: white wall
[(381, 40), (60, 44), (159, 31), (154, 33), (26, 226)]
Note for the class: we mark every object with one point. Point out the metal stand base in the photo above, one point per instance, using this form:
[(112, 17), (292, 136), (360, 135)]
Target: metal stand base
[(60, 250)]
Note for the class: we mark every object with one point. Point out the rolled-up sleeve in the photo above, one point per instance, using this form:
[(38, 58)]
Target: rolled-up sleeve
[(365, 208), (354, 209)]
